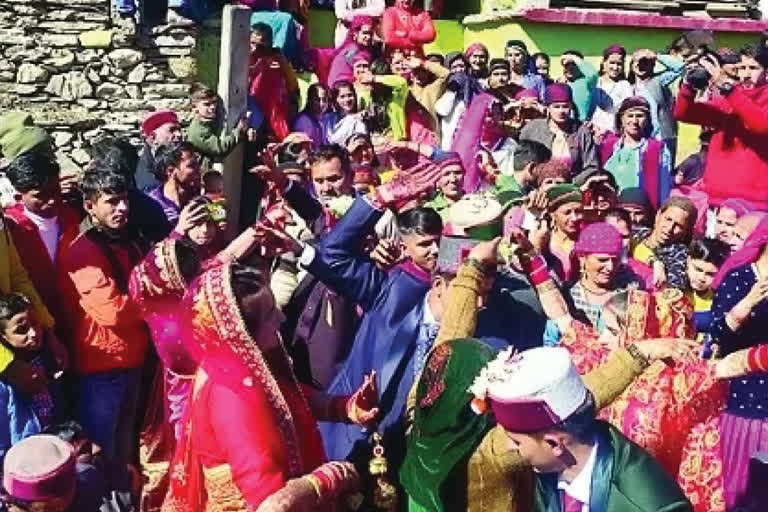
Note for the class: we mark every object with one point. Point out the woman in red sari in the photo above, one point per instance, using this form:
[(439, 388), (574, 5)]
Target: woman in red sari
[(249, 432)]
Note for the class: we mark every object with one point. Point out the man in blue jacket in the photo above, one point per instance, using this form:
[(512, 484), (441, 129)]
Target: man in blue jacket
[(402, 307)]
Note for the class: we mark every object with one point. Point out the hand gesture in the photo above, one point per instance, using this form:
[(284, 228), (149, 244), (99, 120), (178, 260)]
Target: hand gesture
[(669, 348), (386, 254), (415, 62), (710, 63), (191, 215), (297, 495), (486, 252), (757, 294), (539, 235), (363, 406), (242, 124), (270, 174), (366, 77), (659, 274), (733, 365), (274, 240), (407, 185)]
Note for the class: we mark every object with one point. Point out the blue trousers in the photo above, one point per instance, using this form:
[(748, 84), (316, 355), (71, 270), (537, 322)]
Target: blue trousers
[(107, 411)]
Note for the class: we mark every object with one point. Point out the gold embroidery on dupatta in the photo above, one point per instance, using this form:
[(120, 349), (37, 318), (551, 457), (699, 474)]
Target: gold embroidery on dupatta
[(223, 494), (229, 322)]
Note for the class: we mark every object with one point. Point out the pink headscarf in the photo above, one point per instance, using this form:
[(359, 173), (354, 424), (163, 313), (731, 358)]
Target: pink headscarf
[(740, 206), (598, 238), (753, 246), (360, 21), (473, 48)]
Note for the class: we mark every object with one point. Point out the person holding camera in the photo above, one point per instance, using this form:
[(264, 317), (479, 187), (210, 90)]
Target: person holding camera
[(737, 161)]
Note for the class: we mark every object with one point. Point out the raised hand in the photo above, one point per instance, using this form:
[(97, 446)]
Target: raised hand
[(407, 185), (362, 407), (191, 215)]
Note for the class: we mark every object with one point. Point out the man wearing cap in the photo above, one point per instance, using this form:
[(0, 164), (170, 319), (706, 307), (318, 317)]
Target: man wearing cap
[(581, 464), (449, 186), (158, 129), (635, 202), (736, 154), (517, 55)]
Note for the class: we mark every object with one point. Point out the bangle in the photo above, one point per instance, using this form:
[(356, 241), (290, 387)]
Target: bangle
[(757, 359), (638, 356), (316, 485), (482, 267)]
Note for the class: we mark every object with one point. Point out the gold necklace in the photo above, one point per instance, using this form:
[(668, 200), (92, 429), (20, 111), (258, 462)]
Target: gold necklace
[(593, 292)]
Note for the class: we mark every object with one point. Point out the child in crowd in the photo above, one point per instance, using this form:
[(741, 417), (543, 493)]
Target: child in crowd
[(706, 256), (21, 333), (213, 185), (205, 132)]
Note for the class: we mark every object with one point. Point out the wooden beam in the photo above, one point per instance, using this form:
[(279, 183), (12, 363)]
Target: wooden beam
[(233, 90)]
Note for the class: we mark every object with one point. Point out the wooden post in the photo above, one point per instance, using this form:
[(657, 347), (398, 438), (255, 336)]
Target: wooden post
[(233, 89)]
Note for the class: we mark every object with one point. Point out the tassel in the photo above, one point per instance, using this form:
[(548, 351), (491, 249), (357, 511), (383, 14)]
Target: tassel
[(385, 493)]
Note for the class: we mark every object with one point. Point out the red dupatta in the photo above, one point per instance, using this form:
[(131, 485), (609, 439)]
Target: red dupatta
[(218, 337)]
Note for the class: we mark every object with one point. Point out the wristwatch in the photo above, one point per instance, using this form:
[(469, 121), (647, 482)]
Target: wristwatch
[(726, 88)]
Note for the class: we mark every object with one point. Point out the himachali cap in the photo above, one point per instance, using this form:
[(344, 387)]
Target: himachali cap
[(534, 390), (558, 93), (561, 194), (157, 119), (476, 216), (39, 468)]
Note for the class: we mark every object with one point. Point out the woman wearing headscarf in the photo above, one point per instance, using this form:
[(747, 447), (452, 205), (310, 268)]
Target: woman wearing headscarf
[(612, 88), (249, 433), (633, 157), (664, 248), (599, 275), (740, 320), (407, 27), (346, 12), (476, 55), (460, 90), (359, 42), (570, 141)]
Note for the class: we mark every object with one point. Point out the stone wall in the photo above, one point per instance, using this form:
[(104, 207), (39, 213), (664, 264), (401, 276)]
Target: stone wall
[(83, 73)]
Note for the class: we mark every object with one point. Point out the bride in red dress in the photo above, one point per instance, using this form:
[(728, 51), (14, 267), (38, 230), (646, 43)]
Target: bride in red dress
[(249, 431)]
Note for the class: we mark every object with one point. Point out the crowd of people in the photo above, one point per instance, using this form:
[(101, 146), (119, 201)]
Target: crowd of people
[(457, 283)]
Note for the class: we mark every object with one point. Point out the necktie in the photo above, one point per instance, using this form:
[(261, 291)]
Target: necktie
[(570, 504)]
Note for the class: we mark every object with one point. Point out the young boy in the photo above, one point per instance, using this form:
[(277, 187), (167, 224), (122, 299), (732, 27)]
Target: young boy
[(108, 337), (705, 257), (205, 132)]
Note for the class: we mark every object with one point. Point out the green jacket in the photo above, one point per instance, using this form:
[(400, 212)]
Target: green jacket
[(625, 479), (212, 143)]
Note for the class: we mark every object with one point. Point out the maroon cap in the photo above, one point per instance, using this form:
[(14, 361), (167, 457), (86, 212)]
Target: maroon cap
[(157, 119)]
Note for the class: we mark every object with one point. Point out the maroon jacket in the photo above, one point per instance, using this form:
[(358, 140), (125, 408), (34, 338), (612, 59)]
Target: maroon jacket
[(34, 255)]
